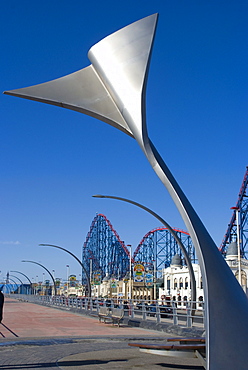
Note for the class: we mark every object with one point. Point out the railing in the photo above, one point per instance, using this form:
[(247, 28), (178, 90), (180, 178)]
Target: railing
[(156, 311)]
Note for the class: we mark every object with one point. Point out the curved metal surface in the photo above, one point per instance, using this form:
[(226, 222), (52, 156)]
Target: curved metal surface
[(39, 264), (76, 258), (30, 282), (123, 57), (183, 249)]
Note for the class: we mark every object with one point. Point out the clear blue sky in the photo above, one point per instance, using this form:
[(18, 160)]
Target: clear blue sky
[(52, 159)]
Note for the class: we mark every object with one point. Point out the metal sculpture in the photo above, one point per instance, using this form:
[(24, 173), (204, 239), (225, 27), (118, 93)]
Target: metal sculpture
[(113, 89), (104, 248)]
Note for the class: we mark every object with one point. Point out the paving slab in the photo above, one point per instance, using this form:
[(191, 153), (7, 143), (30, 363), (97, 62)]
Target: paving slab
[(125, 358), (28, 320), (35, 336)]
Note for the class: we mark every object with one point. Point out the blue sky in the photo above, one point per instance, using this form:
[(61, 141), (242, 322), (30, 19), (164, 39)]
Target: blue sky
[(53, 160)]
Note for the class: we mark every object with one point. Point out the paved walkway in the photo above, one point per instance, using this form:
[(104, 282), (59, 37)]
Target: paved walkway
[(40, 337)]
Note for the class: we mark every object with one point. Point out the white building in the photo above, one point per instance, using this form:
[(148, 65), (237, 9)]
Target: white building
[(177, 280)]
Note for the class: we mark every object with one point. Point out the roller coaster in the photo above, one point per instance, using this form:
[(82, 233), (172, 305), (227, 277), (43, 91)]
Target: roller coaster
[(105, 253)]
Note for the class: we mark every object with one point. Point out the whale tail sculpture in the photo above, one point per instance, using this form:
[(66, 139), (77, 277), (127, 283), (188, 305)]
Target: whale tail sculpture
[(112, 89)]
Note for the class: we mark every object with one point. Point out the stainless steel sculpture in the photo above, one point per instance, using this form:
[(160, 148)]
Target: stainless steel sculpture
[(112, 89)]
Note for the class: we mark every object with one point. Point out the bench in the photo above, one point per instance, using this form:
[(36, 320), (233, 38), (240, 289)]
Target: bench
[(116, 315), (187, 348), (111, 314), (104, 314), (199, 340)]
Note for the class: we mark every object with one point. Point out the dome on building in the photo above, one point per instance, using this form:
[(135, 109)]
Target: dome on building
[(232, 249), (176, 260), (105, 278)]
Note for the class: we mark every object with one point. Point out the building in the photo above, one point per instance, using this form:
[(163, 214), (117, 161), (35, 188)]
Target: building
[(177, 280)]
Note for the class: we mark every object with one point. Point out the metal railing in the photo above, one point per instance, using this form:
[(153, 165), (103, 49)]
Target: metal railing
[(155, 311)]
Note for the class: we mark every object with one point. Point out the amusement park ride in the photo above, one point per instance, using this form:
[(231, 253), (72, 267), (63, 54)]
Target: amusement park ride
[(110, 255)]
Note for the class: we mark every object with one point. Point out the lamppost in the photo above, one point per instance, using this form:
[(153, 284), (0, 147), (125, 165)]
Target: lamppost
[(43, 284), (20, 282), (76, 258), (30, 282), (236, 209), (67, 278), (39, 264), (173, 233), (154, 280), (15, 284), (130, 271)]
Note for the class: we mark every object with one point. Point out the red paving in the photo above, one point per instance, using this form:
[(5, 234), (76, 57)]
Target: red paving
[(28, 320)]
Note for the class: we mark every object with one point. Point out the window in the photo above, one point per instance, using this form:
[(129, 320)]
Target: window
[(175, 283), (186, 283), (181, 283)]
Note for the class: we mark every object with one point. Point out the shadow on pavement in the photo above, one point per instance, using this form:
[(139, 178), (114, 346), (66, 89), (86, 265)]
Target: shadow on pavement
[(186, 367)]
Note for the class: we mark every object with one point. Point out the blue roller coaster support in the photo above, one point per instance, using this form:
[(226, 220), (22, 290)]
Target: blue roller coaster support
[(103, 251), (231, 233)]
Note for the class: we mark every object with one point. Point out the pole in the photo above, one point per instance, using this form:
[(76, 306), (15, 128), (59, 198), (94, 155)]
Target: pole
[(90, 269), (238, 242), (130, 271), (54, 284), (154, 280), (67, 278), (30, 282), (19, 288), (73, 255), (236, 209)]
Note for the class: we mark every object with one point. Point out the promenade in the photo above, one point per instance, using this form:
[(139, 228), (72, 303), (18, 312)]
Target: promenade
[(40, 337)]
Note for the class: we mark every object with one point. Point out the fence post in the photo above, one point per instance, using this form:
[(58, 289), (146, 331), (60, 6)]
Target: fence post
[(158, 316), (143, 307), (131, 313), (189, 316), (174, 308)]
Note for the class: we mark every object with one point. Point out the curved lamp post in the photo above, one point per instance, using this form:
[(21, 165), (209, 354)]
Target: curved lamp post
[(113, 89), (18, 280), (173, 233), (30, 282), (15, 283), (76, 258), (54, 283)]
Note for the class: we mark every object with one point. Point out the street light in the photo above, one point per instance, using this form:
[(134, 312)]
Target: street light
[(67, 278), (173, 233), (154, 280), (236, 209), (39, 264), (30, 282), (20, 282), (15, 284), (130, 271), (76, 258)]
